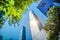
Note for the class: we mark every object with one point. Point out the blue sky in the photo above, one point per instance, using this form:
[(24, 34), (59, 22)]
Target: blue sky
[(16, 32)]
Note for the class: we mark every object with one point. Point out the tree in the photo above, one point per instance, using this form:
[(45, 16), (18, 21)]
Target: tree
[(14, 9), (52, 26), (1, 19), (58, 1)]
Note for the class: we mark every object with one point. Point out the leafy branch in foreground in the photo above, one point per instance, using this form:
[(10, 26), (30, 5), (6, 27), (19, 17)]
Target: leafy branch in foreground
[(14, 9), (52, 26)]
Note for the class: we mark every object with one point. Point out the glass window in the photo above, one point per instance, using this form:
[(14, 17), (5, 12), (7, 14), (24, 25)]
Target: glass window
[(43, 4)]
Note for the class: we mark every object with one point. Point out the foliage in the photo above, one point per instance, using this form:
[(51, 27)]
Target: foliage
[(57, 1), (1, 19), (52, 26), (14, 9)]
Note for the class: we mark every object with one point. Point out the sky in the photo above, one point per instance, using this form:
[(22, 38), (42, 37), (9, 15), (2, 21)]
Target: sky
[(15, 33)]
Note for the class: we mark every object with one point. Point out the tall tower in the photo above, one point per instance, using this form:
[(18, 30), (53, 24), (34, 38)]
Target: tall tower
[(35, 26), (1, 37), (24, 33)]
